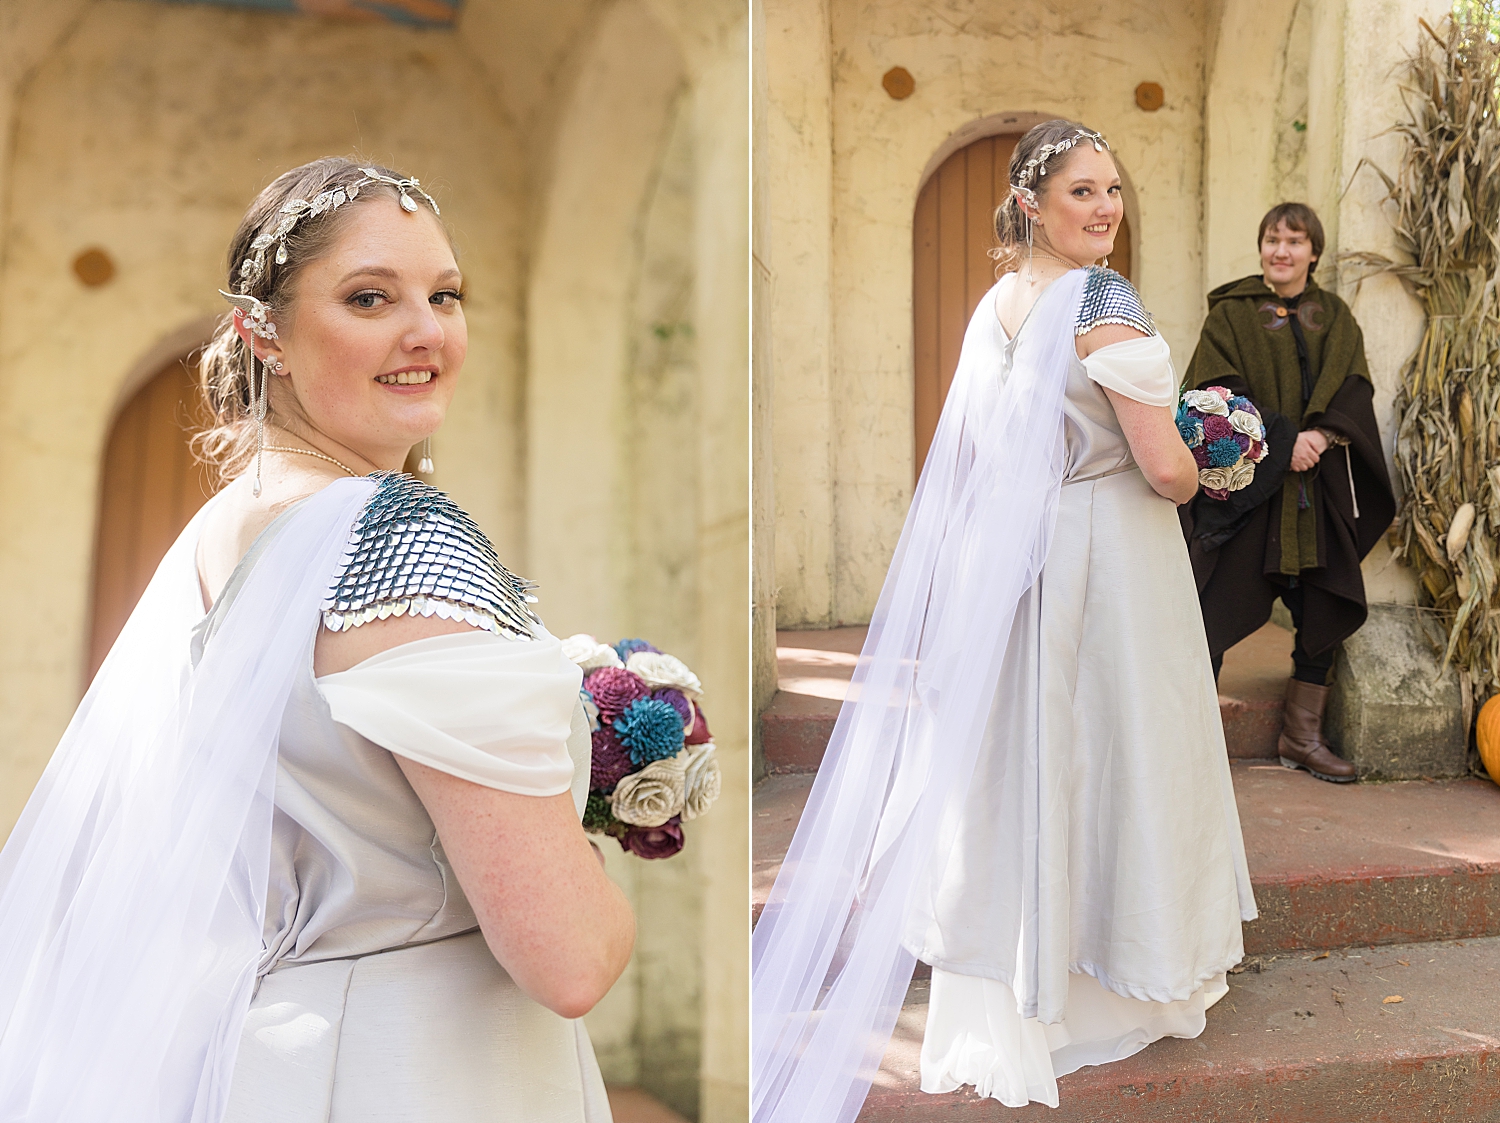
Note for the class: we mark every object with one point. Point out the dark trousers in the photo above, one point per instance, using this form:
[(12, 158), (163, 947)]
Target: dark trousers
[(1306, 668)]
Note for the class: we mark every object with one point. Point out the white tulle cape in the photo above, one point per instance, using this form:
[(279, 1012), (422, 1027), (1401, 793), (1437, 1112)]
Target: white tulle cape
[(132, 891)]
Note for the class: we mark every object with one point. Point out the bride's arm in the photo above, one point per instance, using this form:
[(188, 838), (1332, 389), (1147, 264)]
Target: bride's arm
[(560, 927), (552, 919), (1157, 447), (1150, 429)]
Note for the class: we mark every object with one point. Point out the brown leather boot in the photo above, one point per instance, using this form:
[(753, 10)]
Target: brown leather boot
[(1301, 744)]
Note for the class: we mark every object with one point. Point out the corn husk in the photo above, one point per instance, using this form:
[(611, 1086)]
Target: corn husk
[(1445, 204)]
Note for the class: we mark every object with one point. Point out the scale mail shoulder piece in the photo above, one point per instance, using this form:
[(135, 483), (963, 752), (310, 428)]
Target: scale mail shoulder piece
[(1109, 298), (415, 551)]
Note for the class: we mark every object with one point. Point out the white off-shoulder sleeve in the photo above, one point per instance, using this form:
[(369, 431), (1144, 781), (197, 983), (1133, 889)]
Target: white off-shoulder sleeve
[(1140, 369), (482, 707)]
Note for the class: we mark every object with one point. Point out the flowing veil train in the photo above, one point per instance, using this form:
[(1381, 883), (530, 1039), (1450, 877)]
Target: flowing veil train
[(831, 963)]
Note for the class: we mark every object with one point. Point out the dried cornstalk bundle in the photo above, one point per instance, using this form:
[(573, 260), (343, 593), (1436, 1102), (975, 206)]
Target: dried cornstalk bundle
[(1447, 215)]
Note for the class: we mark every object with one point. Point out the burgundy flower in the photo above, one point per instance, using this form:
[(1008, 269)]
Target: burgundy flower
[(614, 688), (1215, 427), (1216, 493), (1200, 455), (699, 734), (611, 761), (677, 699), (654, 842)]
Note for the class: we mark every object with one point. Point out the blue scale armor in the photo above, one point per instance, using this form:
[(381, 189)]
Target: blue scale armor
[(1109, 298), (415, 551)]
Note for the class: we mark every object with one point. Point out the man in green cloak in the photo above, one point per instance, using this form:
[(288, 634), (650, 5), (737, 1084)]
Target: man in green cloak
[(1322, 497)]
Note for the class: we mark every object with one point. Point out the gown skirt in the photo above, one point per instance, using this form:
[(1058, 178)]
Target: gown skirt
[(1094, 899)]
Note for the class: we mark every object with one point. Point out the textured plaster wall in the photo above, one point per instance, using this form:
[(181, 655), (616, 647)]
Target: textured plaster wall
[(841, 278), (146, 130), (637, 473)]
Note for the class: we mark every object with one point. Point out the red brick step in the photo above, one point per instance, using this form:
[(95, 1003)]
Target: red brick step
[(1306, 1039), (1332, 865)]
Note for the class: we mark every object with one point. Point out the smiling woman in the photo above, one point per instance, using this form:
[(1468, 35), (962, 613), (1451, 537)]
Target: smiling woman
[(327, 786)]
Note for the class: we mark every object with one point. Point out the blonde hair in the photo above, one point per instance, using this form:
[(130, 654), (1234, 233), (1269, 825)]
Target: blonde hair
[(227, 442)]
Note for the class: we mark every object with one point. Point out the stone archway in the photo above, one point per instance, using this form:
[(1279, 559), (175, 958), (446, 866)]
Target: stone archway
[(952, 234)]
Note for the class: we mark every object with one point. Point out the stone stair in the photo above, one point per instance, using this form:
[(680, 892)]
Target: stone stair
[(1367, 892)]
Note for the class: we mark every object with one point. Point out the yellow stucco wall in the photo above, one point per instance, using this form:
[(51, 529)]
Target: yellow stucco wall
[(138, 134), (844, 164)]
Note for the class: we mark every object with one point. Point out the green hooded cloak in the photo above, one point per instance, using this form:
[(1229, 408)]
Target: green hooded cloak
[(1318, 525), (1249, 333)]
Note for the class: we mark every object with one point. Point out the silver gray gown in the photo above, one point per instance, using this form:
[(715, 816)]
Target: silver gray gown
[(378, 1000)]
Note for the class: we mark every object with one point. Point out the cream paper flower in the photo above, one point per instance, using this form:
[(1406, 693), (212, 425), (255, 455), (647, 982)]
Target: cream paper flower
[(1215, 478), (1241, 475), (1206, 401), (702, 779), (589, 653), (664, 672), (650, 797), (1242, 422)]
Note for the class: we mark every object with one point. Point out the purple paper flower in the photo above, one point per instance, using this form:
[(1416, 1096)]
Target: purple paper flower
[(654, 842), (611, 761), (1200, 456), (699, 734), (677, 700), (628, 647), (1216, 427), (614, 688)]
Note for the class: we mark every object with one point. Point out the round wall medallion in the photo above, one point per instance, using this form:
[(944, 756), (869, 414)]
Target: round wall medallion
[(94, 267), (1148, 96), (899, 83)]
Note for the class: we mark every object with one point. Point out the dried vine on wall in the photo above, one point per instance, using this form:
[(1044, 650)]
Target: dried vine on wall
[(1446, 198)]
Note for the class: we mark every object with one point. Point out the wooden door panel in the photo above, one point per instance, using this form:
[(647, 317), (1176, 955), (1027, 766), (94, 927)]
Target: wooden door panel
[(952, 234), (150, 488)]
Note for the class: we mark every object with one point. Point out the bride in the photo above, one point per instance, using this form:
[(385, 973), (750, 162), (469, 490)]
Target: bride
[(1029, 789), (310, 848)]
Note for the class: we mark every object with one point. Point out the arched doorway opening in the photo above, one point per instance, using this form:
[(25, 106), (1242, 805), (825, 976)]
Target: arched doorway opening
[(952, 234), (150, 487)]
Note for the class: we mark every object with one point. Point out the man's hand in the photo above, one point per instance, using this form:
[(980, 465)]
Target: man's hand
[(1309, 448)]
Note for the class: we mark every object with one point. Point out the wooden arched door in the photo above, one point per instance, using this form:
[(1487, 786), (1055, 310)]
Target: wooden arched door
[(150, 488), (952, 234)]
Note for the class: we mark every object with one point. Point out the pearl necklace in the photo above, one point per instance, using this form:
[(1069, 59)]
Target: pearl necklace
[(310, 452)]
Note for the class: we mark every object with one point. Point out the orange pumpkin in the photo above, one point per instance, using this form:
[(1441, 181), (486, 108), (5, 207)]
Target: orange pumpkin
[(1487, 732)]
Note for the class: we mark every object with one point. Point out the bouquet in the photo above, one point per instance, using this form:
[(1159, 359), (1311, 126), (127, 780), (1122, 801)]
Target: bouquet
[(1226, 435), (653, 766)]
